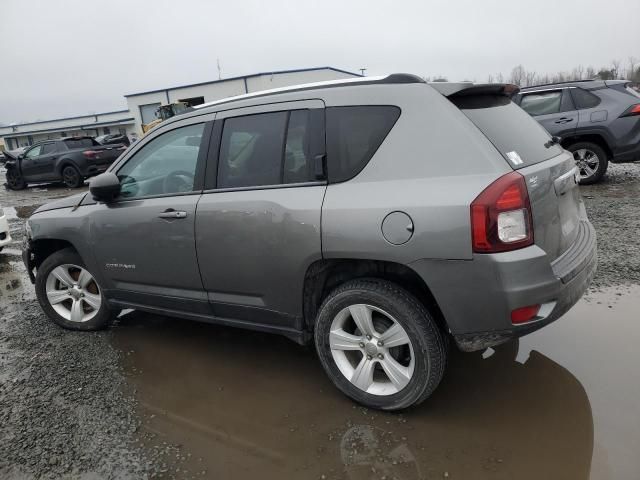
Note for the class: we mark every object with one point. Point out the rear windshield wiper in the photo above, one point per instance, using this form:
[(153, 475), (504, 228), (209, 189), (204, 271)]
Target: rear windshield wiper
[(552, 142)]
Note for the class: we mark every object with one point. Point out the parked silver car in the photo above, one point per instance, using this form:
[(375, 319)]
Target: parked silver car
[(378, 217)]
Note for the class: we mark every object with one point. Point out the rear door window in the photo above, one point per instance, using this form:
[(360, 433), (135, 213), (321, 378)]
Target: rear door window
[(354, 134), (48, 148), (518, 137), (543, 103), (272, 148)]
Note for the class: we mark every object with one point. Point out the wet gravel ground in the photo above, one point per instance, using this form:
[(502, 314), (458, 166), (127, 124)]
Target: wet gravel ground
[(151, 398), (614, 209)]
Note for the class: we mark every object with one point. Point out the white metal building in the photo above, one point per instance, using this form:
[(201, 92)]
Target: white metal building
[(142, 106), (25, 134)]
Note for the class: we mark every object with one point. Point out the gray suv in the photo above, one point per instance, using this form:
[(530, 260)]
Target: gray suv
[(381, 218), (597, 120)]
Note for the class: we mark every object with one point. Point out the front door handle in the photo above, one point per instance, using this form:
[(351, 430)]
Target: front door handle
[(173, 214), (564, 120)]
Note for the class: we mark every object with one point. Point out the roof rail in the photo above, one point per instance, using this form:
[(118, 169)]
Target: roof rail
[(394, 78), (562, 83)]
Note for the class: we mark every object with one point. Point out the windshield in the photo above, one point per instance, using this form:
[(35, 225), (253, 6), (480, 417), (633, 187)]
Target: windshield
[(518, 137)]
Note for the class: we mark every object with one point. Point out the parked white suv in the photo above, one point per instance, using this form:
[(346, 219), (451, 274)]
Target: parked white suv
[(5, 237)]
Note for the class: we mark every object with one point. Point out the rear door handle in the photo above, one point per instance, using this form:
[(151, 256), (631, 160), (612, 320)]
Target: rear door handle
[(173, 214), (564, 120)]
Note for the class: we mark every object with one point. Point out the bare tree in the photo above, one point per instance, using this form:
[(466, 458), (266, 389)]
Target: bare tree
[(490, 79), (499, 78), (517, 75), (632, 68), (530, 78), (591, 72), (616, 68)]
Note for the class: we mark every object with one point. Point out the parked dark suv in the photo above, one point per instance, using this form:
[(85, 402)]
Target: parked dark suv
[(380, 218), (69, 160), (597, 120)]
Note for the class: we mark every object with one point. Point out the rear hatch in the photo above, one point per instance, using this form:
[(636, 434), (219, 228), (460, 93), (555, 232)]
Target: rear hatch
[(549, 170)]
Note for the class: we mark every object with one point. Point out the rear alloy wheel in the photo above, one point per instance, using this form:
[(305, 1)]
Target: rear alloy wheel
[(379, 345), (69, 294), (15, 180), (591, 160), (71, 177)]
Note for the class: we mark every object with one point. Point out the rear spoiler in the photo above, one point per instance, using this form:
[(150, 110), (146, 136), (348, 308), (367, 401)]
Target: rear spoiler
[(463, 89)]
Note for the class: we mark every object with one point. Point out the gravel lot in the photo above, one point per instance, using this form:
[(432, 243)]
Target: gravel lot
[(156, 397)]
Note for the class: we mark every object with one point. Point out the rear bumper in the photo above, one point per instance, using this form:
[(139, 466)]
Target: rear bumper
[(477, 297), (626, 155)]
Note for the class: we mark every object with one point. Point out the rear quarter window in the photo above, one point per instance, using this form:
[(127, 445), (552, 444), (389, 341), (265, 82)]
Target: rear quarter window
[(354, 134), (518, 137), (584, 99)]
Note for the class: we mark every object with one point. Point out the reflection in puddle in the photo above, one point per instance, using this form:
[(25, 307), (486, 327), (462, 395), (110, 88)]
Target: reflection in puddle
[(247, 405)]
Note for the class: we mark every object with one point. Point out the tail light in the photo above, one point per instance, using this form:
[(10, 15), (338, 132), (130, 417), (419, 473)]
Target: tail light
[(501, 216), (89, 154), (632, 111)]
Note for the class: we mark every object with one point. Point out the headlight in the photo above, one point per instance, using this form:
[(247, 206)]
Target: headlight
[(27, 229)]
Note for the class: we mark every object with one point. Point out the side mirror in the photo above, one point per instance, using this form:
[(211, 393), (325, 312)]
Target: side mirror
[(21, 156), (105, 187)]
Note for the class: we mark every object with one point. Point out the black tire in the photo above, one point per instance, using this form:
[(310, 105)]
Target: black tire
[(71, 177), (62, 257), (602, 158), (429, 347), (15, 181)]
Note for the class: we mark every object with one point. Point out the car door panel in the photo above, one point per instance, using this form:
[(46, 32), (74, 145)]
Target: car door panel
[(47, 160), (144, 245), (254, 248), (561, 123), (29, 163), (254, 244), (148, 258)]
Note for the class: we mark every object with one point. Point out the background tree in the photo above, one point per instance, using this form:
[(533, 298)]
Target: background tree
[(517, 75)]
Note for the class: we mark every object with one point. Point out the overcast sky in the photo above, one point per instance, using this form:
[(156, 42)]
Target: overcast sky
[(62, 58)]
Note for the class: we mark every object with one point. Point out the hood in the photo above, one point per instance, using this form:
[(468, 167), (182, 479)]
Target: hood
[(67, 202), (13, 154)]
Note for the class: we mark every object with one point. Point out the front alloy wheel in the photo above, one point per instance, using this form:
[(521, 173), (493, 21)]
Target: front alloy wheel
[(15, 180), (73, 293), (69, 293)]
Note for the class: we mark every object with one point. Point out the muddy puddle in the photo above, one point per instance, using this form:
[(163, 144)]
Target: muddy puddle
[(560, 403)]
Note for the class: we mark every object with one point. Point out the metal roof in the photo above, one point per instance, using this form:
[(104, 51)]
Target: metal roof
[(241, 77)]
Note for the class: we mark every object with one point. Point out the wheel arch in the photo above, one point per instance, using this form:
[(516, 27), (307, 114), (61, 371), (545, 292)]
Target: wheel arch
[(45, 247), (67, 162), (596, 138), (324, 275)]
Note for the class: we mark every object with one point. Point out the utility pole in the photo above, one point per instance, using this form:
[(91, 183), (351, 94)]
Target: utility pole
[(219, 70), (362, 70)]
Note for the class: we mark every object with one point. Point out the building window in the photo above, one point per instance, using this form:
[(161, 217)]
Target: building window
[(193, 101), (148, 112), (63, 134), (29, 139), (122, 131), (106, 130)]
